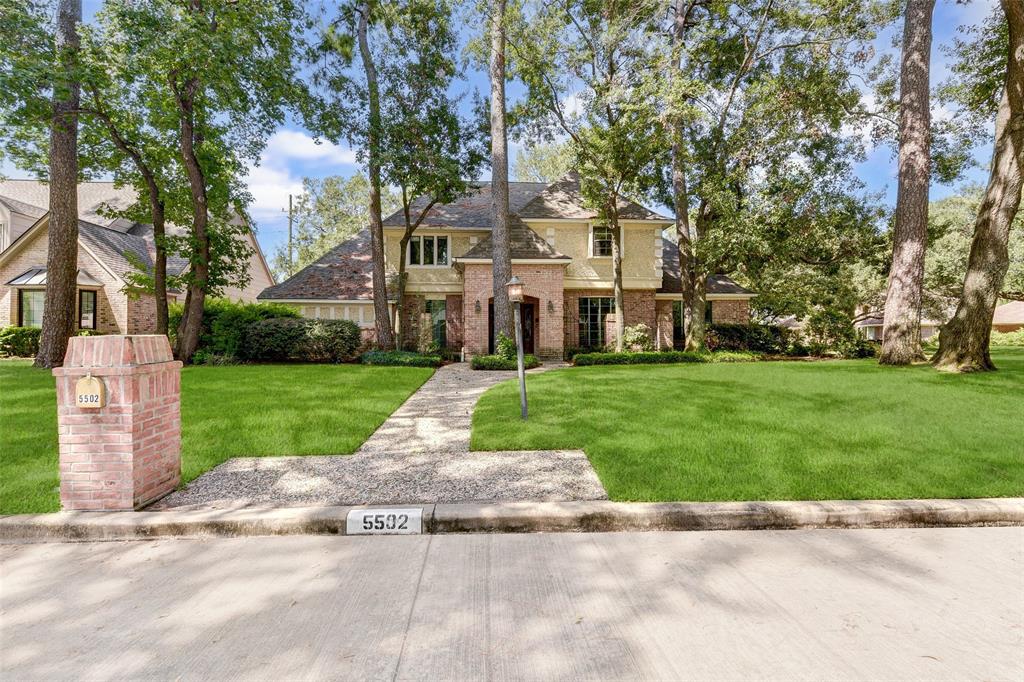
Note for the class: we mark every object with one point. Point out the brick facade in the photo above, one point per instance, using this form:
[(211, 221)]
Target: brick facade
[(542, 282), (127, 453), (735, 311), (116, 312), (639, 307)]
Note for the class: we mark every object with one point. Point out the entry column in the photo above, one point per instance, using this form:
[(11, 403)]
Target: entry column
[(119, 422)]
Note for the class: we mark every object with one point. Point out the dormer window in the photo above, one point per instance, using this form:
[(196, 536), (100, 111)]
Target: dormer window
[(600, 241), (428, 250)]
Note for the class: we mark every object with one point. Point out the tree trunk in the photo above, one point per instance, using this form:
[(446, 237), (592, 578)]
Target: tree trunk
[(620, 303), (964, 341), (199, 271), (403, 246), (501, 246), (901, 336), (681, 201), (382, 315), (61, 304)]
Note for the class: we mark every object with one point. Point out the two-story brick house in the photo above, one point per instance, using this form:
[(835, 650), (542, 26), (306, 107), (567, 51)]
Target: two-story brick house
[(108, 250), (559, 252)]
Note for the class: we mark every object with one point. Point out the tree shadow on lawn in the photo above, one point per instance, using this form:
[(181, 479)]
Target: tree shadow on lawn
[(488, 606)]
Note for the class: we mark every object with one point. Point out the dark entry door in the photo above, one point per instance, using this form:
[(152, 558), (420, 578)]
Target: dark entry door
[(527, 313)]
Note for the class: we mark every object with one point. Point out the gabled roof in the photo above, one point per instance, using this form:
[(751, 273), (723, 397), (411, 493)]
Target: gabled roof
[(22, 208), (345, 273), (526, 245), (471, 211), (93, 199), (564, 200), (36, 276), (671, 282)]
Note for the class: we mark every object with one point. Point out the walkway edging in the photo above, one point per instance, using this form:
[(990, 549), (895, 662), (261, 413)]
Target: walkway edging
[(520, 517)]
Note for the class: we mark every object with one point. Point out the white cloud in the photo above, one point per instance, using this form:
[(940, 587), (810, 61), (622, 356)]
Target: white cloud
[(295, 145), (289, 156)]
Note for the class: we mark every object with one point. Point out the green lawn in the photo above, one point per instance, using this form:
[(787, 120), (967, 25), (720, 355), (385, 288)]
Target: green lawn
[(245, 410), (775, 430)]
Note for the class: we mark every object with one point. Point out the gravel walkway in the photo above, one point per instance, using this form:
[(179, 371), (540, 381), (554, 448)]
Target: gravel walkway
[(420, 454)]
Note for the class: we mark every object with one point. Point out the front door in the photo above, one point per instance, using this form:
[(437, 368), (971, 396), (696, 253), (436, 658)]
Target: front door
[(527, 313)]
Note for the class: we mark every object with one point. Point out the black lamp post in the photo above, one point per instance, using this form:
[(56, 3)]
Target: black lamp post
[(515, 296)]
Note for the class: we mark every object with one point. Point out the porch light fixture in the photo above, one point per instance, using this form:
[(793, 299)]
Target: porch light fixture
[(515, 290), (515, 296)]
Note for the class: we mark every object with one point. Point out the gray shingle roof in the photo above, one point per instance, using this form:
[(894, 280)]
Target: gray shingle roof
[(671, 283), (526, 245), (22, 208), (471, 211), (564, 199), (93, 199), (344, 273)]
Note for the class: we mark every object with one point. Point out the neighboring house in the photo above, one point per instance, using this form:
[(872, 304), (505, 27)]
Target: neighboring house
[(560, 254), (871, 327), (108, 248), (1009, 317)]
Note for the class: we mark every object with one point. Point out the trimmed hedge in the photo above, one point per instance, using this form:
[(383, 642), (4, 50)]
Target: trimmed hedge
[(23, 342), (1015, 338), (19, 342), (760, 338), (661, 358), (495, 362), (400, 358), (297, 339), (226, 323)]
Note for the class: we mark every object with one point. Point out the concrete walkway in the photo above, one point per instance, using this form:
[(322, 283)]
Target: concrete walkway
[(420, 454), (925, 604)]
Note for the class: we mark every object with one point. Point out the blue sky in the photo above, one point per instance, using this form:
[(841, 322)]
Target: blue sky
[(292, 152)]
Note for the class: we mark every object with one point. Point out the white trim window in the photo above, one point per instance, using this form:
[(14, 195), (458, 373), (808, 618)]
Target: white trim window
[(601, 241), (429, 251)]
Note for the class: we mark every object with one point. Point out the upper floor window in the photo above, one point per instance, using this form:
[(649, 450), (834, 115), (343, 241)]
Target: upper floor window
[(428, 250), (601, 241)]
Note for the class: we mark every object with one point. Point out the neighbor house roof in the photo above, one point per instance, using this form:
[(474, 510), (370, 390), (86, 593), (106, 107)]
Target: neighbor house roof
[(671, 282), (344, 273), (1009, 313), (36, 276), (526, 245), (94, 199), (470, 211)]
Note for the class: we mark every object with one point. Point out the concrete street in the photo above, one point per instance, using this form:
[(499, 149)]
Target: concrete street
[(814, 604)]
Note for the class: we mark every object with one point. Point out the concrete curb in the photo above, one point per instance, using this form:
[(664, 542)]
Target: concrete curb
[(520, 517)]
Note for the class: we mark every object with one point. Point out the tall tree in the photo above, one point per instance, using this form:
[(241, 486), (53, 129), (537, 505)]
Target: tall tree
[(543, 162), (757, 96), (585, 66), (964, 341), (223, 75), (901, 343), (329, 211), (501, 253), (428, 151), (62, 251)]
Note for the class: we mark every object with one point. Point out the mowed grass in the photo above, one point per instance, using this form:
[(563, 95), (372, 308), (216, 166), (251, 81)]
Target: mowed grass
[(775, 430), (235, 411)]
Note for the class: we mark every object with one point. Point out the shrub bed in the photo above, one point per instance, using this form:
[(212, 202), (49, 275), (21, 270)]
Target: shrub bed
[(400, 358), (760, 338), (225, 326), (663, 357), (284, 339), (1008, 338), (495, 362), (19, 342)]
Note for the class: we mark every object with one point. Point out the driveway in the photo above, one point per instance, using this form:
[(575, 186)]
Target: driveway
[(419, 454), (935, 604)]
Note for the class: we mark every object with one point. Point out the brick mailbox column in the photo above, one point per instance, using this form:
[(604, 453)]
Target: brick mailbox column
[(126, 453)]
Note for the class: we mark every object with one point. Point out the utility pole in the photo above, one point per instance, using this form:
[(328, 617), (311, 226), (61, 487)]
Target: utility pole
[(291, 268)]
